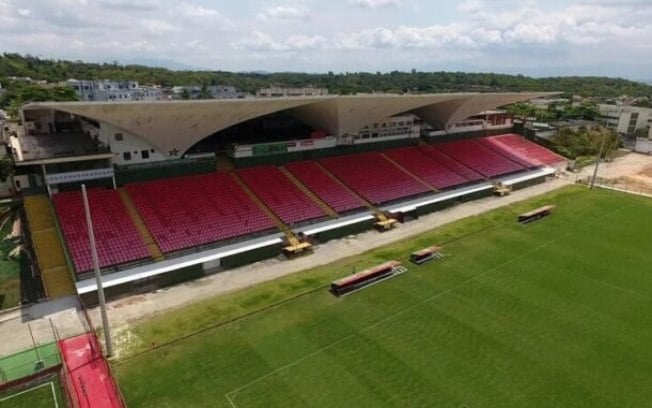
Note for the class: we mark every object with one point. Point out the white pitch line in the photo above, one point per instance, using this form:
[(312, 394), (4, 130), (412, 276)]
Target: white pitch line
[(386, 319), (611, 285), (231, 394), (228, 398), (54, 395), (25, 391)]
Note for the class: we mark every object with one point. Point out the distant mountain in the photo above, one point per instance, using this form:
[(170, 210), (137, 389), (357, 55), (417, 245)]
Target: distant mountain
[(164, 63)]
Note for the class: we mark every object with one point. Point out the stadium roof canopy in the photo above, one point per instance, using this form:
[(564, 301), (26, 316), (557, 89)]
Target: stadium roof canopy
[(179, 125)]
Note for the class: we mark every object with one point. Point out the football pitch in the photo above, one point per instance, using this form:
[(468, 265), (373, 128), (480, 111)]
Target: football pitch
[(556, 313), (45, 395)]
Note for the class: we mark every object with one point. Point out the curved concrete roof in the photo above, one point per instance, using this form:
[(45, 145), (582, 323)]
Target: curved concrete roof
[(169, 125)]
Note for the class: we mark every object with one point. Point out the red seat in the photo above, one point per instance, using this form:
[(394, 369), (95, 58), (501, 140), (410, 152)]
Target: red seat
[(280, 194), (448, 162), (492, 144), (520, 146), (425, 167), (478, 158), (188, 211), (117, 239), (373, 177), (323, 185)]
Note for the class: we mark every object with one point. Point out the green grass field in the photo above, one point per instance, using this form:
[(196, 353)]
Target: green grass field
[(557, 313), (10, 263), (46, 395)]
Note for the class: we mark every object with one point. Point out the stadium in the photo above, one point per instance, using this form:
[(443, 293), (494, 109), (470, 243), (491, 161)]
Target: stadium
[(186, 189), (183, 190)]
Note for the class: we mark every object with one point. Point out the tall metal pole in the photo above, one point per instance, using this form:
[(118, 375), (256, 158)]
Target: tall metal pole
[(98, 277), (597, 161)]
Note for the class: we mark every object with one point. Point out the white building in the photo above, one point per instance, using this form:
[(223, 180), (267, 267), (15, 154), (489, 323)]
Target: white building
[(278, 92), (114, 90), (626, 119)]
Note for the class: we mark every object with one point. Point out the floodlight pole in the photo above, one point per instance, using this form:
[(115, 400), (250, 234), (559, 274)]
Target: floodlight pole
[(98, 276), (597, 161)]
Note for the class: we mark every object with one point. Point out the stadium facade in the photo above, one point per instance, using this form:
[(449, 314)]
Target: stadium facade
[(182, 189)]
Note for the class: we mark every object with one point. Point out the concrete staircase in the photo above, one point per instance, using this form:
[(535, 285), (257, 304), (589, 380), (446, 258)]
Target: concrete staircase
[(148, 239), (48, 248), (223, 162), (380, 216), (404, 170), (292, 238), (305, 190)]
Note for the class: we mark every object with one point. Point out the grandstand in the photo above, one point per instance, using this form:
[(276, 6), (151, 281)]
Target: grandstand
[(450, 163), (318, 180), (426, 168), (479, 158), (118, 241), (279, 194), (183, 212), (373, 177), (527, 150), (172, 201)]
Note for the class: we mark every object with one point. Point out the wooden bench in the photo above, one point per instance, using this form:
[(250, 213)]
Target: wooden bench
[(364, 278), (536, 214), (426, 254)]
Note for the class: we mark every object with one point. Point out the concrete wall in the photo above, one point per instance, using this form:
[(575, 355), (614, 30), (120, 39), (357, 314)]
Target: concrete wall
[(643, 145), (121, 142)]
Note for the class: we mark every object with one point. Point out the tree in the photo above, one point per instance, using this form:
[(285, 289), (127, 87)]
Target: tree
[(204, 92), (6, 168), (18, 93), (185, 94)]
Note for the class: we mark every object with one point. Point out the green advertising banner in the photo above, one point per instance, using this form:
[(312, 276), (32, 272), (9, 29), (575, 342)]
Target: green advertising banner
[(271, 148)]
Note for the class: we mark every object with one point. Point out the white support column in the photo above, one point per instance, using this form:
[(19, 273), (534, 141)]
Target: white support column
[(98, 276)]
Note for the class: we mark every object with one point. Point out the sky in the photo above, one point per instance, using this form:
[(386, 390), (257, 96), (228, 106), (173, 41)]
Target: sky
[(538, 38)]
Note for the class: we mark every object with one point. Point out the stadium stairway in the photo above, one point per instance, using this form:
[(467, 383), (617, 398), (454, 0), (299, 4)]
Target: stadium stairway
[(404, 170), (381, 216), (48, 248), (305, 190), (223, 162), (292, 238), (148, 239)]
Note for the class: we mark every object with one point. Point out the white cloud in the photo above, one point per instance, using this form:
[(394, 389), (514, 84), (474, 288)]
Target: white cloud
[(374, 4), (287, 11), (303, 42), (259, 41), (157, 27), (525, 35), (191, 10)]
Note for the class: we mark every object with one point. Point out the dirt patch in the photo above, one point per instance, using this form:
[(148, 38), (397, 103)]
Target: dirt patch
[(128, 301), (124, 340)]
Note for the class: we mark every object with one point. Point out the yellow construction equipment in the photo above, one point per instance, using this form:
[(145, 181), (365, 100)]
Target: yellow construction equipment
[(384, 221), (501, 189)]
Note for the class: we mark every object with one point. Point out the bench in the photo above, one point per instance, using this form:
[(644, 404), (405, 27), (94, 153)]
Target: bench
[(364, 278), (426, 254), (535, 214)]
